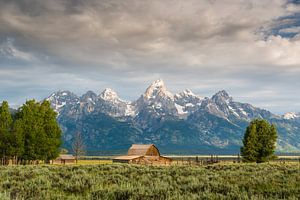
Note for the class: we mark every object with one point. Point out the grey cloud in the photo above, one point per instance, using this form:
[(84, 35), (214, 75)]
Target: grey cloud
[(126, 44)]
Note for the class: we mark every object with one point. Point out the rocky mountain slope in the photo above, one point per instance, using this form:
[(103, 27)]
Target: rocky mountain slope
[(182, 123)]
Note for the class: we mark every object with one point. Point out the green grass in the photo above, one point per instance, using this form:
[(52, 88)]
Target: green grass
[(121, 181)]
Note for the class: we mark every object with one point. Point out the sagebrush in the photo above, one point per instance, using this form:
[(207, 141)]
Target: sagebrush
[(122, 181)]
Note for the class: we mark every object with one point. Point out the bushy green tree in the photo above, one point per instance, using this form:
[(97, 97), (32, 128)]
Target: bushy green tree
[(259, 142), (42, 134), (52, 132), (33, 133), (17, 141), (6, 123), (30, 122)]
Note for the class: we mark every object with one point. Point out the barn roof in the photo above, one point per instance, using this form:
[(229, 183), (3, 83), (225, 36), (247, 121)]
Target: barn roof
[(126, 157), (139, 149), (66, 157)]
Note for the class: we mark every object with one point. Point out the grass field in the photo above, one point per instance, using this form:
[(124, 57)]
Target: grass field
[(93, 162), (122, 181)]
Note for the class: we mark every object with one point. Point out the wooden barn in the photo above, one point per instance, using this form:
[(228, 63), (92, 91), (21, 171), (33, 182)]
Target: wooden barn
[(64, 159), (143, 154)]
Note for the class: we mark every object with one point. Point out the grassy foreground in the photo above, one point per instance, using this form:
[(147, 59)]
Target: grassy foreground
[(121, 181)]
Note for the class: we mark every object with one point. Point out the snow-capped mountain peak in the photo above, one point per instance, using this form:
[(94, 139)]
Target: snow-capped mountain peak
[(221, 96), (89, 95), (158, 83), (109, 95), (61, 98), (188, 101), (111, 104), (59, 94), (187, 93), (88, 100), (157, 88), (291, 115)]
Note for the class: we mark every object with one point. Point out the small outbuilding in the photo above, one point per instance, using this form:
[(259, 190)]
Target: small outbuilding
[(143, 154), (64, 159)]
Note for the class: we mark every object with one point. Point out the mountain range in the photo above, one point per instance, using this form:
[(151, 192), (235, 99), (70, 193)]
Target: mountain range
[(184, 123)]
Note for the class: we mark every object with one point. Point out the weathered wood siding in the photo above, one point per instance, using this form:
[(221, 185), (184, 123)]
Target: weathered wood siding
[(152, 151)]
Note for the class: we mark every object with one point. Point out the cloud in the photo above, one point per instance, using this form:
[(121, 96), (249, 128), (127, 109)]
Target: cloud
[(242, 46), (295, 29), (9, 51)]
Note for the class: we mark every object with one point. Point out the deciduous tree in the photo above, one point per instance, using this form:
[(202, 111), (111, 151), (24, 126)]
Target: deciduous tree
[(6, 123), (259, 142), (42, 134), (78, 146)]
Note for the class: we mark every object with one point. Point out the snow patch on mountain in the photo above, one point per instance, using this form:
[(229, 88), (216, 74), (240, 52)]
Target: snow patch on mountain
[(188, 101), (130, 110), (291, 115), (109, 95), (180, 109), (60, 99)]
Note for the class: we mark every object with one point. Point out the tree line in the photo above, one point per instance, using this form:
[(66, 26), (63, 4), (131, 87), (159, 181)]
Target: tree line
[(29, 135)]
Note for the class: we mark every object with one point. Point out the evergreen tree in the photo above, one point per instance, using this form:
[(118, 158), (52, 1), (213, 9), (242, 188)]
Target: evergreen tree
[(259, 142), (248, 151)]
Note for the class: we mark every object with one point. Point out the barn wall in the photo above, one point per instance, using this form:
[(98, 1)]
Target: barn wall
[(165, 160), (146, 154), (56, 162), (69, 161), (152, 151), (62, 161)]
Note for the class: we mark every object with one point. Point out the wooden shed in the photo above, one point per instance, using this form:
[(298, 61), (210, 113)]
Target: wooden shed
[(64, 159), (143, 154)]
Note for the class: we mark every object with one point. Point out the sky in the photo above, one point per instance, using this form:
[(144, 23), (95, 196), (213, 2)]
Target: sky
[(251, 49)]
